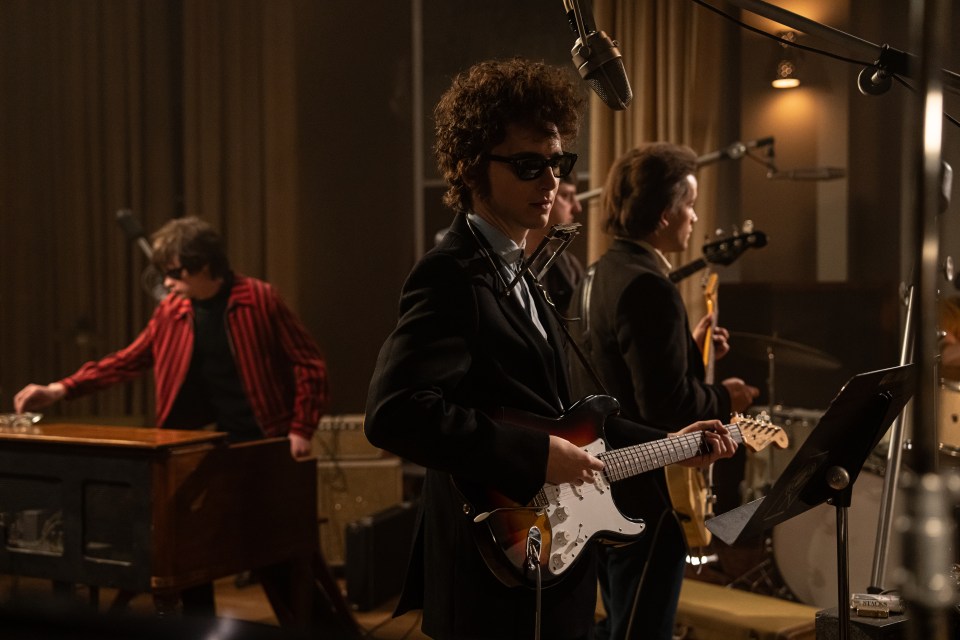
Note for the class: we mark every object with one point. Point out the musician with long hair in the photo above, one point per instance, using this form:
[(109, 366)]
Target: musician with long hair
[(638, 339)]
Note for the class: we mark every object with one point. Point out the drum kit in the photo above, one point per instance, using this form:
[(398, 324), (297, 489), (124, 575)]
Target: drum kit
[(762, 469), (796, 561)]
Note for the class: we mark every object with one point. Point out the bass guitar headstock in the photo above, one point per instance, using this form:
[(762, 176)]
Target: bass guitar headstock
[(725, 250)]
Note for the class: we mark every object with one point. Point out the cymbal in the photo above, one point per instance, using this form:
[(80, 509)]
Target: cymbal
[(759, 347)]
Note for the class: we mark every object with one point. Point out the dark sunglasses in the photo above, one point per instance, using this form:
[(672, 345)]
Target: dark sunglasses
[(530, 167), (175, 273)]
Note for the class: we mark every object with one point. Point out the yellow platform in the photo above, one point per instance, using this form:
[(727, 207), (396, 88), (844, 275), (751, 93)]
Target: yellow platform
[(711, 612)]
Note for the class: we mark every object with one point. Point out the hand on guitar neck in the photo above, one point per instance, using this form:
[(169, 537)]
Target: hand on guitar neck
[(713, 342)]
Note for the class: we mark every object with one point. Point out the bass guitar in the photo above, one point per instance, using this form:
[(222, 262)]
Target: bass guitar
[(691, 488), (723, 251), (566, 517)]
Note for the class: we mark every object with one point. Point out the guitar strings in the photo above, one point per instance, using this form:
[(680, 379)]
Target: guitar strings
[(630, 461)]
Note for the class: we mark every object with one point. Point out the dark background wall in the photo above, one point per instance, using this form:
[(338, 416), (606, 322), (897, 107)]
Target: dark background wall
[(363, 198)]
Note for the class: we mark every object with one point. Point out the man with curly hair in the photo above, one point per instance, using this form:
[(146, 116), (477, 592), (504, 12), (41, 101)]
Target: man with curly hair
[(468, 345)]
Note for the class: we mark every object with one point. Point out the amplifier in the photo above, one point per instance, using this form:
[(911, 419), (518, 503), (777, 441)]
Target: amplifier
[(377, 550), (340, 437), (348, 490)]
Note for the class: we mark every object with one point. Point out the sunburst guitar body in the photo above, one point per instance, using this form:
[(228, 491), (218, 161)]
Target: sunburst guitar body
[(568, 517)]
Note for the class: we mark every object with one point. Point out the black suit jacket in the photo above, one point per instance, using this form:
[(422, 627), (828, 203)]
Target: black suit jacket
[(460, 351), (637, 338)]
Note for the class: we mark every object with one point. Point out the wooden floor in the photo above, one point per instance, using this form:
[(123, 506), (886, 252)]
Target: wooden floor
[(247, 603)]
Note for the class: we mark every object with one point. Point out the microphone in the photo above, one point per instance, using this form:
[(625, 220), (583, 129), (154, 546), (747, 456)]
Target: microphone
[(814, 173), (151, 280), (134, 232), (597, 57), (734, 151)]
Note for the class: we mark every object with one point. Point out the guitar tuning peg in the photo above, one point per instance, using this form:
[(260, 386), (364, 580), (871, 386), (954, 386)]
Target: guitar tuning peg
[(718, 232), (748, 226)]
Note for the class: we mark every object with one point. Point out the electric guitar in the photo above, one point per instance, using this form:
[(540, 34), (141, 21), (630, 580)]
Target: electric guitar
[(723, 251), (691, 489), (563, 518)]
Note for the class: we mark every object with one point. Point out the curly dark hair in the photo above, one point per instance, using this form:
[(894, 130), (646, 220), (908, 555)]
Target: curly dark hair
[(644, 182), (194, 242), (473, 114)]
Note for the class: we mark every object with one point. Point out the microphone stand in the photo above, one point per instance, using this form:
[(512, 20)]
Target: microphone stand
[(733, 151), (874, 79), (532, 565), (151, 280), (892, 474)]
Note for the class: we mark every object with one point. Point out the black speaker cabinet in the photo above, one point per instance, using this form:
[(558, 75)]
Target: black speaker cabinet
[(377, 551)]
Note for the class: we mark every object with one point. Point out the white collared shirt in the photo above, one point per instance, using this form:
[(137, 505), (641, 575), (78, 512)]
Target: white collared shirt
[(509, 253)]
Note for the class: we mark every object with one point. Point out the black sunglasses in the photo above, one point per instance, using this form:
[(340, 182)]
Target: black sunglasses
[(530, 167), (175, 273)]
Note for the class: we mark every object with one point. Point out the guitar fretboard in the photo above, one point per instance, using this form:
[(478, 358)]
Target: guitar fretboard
[(620, 464)]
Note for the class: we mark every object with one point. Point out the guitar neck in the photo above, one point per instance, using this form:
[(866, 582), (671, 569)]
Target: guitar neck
[(709, 350), (620, 464), (680, 273)]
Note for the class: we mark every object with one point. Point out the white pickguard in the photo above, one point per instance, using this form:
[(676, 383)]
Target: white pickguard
[(578, 512)]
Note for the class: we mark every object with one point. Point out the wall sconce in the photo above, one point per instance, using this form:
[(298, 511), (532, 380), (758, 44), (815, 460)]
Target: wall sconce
[(786, 75)]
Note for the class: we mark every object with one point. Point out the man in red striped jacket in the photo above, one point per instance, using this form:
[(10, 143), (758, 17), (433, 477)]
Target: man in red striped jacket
[(225, 350)]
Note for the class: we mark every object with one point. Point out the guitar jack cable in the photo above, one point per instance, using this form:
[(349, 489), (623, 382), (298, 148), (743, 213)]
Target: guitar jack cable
[(532, 565)]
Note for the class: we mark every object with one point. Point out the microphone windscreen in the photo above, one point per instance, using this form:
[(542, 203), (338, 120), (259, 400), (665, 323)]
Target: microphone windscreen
[(611, 84), (599, 63), (130, 225)]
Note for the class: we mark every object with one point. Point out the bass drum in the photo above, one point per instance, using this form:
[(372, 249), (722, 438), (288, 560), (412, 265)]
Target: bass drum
[(805, 546)]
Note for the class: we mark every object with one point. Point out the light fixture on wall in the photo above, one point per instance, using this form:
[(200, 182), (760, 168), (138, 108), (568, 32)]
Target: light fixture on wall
[(786, 76)]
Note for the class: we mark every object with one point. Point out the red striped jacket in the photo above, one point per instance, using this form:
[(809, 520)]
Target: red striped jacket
[(280, 366)]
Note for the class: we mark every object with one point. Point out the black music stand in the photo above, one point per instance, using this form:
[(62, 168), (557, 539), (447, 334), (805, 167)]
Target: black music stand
[(827, 465)]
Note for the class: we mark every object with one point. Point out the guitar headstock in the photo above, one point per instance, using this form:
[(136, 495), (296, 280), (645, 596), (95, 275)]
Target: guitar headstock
[(725, 250), (757, 432), (710, 286)]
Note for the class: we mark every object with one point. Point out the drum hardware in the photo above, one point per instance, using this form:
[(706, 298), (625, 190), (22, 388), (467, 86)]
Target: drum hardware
[(773, 349), (764, 578)]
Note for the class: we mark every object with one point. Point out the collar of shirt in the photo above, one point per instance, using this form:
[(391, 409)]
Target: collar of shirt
[(662, 261), (508, 250)]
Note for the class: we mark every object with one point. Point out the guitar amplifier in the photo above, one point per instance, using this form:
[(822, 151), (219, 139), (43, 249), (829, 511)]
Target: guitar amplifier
[(348, 490), (340, 437), (377, 551)]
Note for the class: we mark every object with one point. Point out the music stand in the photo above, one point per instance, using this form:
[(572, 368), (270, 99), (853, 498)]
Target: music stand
[(827, 465)]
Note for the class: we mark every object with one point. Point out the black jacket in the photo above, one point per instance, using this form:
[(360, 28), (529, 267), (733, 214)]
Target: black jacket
[(460, 352)]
